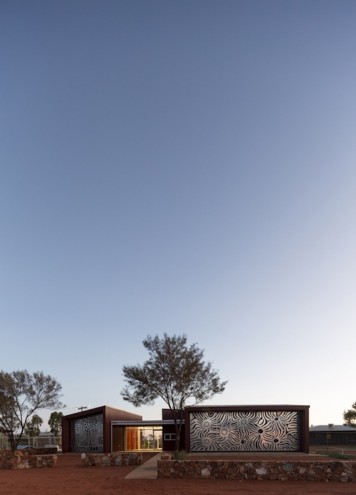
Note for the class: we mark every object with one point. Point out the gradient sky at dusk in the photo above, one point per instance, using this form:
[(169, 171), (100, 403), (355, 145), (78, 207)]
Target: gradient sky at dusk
[(185, 167)]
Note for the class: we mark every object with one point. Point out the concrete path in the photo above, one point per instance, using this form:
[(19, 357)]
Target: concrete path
[(146, 471)]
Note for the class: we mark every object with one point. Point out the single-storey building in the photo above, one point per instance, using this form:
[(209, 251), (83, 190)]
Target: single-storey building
[(90, 430), (271, 428), (332, 435)]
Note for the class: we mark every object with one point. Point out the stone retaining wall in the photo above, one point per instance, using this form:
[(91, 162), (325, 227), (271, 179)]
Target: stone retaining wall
[(18, 460), (268, 470), (113, 459)]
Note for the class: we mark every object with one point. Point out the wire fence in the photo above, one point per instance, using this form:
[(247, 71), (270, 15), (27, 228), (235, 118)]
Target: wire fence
[(43, 441)]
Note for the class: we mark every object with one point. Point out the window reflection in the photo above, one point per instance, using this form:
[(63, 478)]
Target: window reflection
[(143, 438)]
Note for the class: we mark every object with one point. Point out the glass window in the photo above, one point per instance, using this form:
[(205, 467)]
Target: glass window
[(143, 438), (169, 436)]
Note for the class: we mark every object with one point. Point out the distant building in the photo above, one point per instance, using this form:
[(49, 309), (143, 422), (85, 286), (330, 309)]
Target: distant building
[(332, 435)]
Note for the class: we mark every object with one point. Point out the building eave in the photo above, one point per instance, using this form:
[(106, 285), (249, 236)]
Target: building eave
[(158, 422)]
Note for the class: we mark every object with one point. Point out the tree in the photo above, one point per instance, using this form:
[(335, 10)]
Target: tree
[(350, 415), (55, 423), (174, 372), (21, 395), (33, 426)]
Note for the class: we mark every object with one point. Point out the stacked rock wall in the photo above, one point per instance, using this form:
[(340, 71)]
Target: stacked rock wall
[(18, 460), (269, 470), (113, 459)]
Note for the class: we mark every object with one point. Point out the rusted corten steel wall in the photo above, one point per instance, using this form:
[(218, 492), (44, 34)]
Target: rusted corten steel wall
[(169, 445), (109, 414), (265, 428)]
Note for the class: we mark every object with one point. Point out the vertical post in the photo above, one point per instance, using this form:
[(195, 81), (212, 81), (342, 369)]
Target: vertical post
[(327, 441)]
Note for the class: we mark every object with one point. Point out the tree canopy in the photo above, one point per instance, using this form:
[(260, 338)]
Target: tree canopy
[(21, 395), (55, 422), (174, 372), (350, 415), (33, 427)]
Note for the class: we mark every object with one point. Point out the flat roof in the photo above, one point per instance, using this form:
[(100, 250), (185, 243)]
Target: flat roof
[(154, 422), (333, 427)]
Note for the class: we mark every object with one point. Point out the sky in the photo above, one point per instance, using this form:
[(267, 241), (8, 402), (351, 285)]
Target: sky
[(180, 167)]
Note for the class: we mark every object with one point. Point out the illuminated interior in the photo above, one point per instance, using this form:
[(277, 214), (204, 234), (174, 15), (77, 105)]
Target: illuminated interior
[(137, 438)]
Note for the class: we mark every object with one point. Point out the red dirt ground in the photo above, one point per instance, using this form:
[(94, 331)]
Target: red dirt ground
[(68, 477)]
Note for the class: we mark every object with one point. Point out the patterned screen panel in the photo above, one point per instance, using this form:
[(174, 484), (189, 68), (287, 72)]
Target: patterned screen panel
[(252, 431), (87, 434)]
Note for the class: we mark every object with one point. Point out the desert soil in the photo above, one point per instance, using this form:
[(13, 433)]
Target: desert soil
[(68, 477)]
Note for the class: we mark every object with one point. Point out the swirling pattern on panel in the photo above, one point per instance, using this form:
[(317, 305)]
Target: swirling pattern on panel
[(254, 431), (87, 434)]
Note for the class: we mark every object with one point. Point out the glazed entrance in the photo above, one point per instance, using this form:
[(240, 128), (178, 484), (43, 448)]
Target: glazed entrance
[(137, 438)]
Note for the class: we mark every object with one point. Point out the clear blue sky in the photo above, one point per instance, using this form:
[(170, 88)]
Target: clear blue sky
[(186, 167)]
